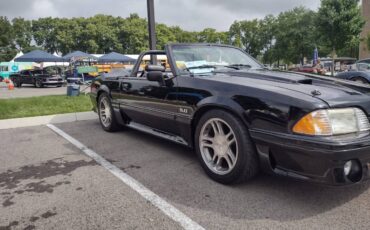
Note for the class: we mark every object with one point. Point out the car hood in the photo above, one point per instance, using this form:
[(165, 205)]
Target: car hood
[(336, 93)]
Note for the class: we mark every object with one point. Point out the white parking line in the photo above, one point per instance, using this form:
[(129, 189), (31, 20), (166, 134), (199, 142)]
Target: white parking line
[(153, 198)]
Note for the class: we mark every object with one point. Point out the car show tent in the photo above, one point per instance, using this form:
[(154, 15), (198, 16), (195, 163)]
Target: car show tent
[(76, 55), (38, 56), (115, 57)]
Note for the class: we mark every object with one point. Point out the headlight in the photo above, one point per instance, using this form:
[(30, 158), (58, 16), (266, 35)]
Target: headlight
[(330, 122)]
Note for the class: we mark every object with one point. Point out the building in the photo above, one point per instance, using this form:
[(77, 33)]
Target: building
[(364, 51)]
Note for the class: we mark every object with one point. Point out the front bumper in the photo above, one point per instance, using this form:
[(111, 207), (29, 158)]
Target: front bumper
[(53, 82), (312, 158)]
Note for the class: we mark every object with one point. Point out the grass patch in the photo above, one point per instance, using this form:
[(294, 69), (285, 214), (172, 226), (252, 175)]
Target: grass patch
[(44, 105)]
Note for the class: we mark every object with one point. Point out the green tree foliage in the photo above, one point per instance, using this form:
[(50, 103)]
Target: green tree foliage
[(164, 35), (133, 34), (210, 35), (339, 24), (7, 48), (288, 37), (22, 31), (295, 35), (247, 35)]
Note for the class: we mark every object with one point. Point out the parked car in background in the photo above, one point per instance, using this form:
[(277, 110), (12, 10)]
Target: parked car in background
[(241, 117), (360, 72), (340, 64), (7, 68), (49, 76)]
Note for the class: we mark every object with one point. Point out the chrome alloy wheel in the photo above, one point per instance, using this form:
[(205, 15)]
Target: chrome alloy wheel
[(105, 112), (218, 146)]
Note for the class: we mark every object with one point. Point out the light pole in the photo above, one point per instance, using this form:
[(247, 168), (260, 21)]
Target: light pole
[(151, 29)]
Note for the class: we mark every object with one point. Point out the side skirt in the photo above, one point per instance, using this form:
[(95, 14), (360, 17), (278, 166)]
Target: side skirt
[(158, 133)]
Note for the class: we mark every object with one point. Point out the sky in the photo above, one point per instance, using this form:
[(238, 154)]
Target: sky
[(188, 14)]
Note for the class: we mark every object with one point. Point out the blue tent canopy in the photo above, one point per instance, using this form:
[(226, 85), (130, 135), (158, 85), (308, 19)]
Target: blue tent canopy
[(38, 56), (115, 57), (78, 55)]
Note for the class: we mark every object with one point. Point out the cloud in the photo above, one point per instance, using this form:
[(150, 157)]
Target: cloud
[(188, 14)]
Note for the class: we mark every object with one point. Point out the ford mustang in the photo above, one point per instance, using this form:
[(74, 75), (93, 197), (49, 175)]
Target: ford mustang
[(241, 118)]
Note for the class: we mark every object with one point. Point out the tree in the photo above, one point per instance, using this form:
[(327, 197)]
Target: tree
[(133, 34), (164, 35), (210, 35), (268, 31), (339, 24), (44, 33), (7, 49), (295, 35), (22, 30), (247, 35), (184, 36)]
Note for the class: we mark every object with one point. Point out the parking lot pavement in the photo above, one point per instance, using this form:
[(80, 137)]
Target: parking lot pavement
[(47, 183), (30, 91), (173, 172)]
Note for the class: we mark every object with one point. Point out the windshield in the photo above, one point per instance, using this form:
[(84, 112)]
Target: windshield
[(201, 59)]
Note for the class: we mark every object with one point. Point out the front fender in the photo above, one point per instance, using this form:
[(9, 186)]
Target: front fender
[(220, 102)]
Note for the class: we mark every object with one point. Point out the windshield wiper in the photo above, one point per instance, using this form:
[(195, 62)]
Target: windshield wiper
[(202, 67), (239, 66), (211, 66)]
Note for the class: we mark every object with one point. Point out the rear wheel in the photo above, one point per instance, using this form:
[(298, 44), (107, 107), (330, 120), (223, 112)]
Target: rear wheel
[(107, 118), (224, 148)]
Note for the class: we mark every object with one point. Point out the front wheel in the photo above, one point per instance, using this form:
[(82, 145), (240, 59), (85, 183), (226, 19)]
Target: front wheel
[(17, 83), (38, 83), (224, 148), (107, 118)]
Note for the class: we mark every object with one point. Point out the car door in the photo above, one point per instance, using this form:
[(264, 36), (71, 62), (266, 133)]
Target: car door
[(150, 103), (27, 77)]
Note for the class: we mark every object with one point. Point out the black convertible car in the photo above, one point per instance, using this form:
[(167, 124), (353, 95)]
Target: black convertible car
[(242, 118)]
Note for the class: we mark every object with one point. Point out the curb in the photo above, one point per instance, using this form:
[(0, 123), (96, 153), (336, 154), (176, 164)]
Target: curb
[(43, 120)]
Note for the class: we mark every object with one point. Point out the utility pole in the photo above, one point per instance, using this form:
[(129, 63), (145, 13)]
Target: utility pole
[(151, 29)]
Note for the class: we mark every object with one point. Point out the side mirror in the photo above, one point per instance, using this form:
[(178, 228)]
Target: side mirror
[(150, 68), (155, 76)]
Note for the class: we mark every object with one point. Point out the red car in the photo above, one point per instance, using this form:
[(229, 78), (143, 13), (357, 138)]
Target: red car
[(308, 69)]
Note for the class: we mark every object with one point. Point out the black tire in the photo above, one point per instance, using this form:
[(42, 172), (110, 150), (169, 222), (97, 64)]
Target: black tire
[(59, 86), (247, 164), (38, 83), (113, 125), (360, 79), (17, 83)]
